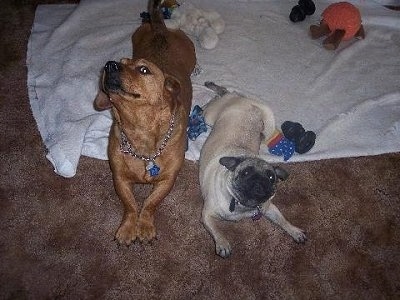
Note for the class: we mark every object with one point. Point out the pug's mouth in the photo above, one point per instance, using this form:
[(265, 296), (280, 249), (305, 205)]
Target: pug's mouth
[(235, 202), (240, 199)]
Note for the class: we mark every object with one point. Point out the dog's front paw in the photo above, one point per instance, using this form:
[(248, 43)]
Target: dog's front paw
[(223, 249), (146, 230), (126, 232), (298, 235)]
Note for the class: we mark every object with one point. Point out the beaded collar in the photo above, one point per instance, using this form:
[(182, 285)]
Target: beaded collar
[(151, 165)]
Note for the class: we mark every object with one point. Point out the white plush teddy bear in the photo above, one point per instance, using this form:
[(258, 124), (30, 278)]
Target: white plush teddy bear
[(204, 25)]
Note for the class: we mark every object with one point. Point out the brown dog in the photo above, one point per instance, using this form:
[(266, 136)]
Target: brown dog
[(150, 96)]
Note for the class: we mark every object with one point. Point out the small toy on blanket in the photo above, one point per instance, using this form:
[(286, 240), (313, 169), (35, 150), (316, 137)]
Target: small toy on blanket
[(167, 7), (204, 25), (340, 21), (196, 125), (301, 10), (293, 138)]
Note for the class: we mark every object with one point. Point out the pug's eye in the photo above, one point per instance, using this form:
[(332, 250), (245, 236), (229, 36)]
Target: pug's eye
[(271, 176), (247, 172), (144, 70)]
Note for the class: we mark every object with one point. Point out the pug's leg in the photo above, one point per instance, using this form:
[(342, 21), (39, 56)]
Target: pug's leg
[(273, 214), (222, 246)]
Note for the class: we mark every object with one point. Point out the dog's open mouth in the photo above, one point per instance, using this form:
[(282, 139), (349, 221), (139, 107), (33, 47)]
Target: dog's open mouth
[(111, 88), (124, 93), (112, 83)]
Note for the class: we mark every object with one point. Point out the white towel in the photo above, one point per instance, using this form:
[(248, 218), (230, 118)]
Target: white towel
[(350, 97)]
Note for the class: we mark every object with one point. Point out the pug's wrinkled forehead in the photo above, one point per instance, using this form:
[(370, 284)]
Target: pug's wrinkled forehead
[(239, 163), (233, 163)]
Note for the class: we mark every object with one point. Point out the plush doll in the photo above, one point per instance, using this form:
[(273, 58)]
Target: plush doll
[(340, 21), (293, 138), (205, 25), (301, 10), (197, 124), (167, 7)]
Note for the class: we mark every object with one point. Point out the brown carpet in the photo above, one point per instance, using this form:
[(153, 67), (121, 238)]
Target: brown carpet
[(57, 234)]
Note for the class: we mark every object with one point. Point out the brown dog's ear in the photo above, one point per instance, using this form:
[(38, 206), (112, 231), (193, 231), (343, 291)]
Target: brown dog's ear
[(102, 101), (172, 85)]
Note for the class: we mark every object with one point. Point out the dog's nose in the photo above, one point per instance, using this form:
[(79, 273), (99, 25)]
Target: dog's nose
[(111, 66), (112, 81)]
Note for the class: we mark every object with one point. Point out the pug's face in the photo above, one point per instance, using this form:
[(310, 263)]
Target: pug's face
[(253, 181)]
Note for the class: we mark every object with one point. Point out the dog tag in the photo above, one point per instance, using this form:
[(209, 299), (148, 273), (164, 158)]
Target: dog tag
[(153, 169), (257, 215)]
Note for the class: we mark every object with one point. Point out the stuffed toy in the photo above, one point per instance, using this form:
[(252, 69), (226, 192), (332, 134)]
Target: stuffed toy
[(204, 25), (167, 7), (301, 10), (340, 21), (293, 138), (197, 124)]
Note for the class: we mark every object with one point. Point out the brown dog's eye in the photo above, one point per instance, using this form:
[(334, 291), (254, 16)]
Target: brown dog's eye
[(144, 70)]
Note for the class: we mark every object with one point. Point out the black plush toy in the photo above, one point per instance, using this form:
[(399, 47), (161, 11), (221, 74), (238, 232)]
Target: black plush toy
[(293, 138), (300, 11), (303, 140)]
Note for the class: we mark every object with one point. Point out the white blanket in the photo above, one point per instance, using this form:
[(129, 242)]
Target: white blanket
[(350, 97)]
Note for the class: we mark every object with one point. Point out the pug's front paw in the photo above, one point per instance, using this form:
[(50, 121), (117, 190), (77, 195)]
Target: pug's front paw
[(299, 235), (223, 249)]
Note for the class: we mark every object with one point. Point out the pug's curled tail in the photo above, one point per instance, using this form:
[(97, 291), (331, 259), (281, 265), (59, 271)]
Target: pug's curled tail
[(156, 17), (220, 90)]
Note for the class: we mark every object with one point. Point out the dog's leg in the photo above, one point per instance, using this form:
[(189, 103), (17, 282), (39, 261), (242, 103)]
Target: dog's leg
[(146, 227), (273, 214), (126, 232), (222, 246)]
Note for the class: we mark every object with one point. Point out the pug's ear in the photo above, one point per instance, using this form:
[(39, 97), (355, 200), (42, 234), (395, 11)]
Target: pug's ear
[(282, 174), (231, 162)]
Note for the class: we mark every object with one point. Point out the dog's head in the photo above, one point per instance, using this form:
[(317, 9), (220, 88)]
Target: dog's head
[(136, 82), (253, 181)]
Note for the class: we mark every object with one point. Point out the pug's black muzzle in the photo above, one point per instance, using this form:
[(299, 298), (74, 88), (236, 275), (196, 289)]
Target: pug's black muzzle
[(112, 80), (255, 189)]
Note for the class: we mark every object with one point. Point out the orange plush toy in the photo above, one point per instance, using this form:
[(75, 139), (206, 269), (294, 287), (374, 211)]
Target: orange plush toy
[(340, 21)]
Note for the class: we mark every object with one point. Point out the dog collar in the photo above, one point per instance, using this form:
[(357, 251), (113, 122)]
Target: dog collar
[(151, 165), (256, 215)]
